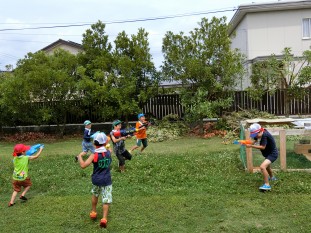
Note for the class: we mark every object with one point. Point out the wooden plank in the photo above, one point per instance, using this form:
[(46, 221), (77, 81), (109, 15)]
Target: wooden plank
[(283, 150), (249, 155), (275, 131)]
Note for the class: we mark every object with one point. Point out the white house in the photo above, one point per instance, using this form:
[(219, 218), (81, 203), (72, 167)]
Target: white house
[(259, 30), (69, 46)]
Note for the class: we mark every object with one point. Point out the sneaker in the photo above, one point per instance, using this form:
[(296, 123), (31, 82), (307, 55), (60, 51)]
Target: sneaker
[(10, 204), (265, 187), (103, 223), (23, 198), (273, 178), (93, 215)]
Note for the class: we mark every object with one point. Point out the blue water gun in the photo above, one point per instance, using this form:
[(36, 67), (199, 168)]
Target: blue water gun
[(33, 149)]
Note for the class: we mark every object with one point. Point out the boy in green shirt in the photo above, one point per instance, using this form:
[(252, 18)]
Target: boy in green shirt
[(20, 173)]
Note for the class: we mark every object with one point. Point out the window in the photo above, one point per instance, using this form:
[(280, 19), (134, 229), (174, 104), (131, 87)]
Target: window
[(306, 28)]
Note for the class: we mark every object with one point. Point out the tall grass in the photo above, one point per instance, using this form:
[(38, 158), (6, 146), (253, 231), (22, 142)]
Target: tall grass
[(187, 185)]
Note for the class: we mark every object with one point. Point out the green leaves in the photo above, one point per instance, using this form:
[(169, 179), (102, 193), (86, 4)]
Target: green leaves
[(204, 60), (287, 72)]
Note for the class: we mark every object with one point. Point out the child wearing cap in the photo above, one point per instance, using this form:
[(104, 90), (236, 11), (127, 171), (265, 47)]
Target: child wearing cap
[(141, 135), (119, 145), (268, 148), (20, 173), (87, 144), (101, 177)]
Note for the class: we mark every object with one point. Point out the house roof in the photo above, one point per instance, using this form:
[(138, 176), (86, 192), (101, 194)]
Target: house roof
[(62, 42), (265, 7)]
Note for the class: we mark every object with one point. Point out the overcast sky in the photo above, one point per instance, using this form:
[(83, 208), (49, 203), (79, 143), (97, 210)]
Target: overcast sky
[(15, 14)]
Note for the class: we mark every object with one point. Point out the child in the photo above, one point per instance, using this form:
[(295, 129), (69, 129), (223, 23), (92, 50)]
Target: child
[(20, 173), (101, 177), (269, 151), (87, 144), (119, 145), (141, 135)]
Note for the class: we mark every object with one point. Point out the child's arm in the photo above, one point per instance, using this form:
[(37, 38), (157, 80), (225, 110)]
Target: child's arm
[(115, 140), (86, 163), (260, 147), (36, 155)]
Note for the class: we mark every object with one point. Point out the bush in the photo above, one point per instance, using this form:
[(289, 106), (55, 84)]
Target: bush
[(170, 128)]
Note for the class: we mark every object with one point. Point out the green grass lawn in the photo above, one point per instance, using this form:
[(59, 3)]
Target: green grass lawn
[(187, 185)]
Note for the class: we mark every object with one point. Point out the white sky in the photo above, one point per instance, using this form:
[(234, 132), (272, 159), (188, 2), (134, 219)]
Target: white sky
[(15, 14)]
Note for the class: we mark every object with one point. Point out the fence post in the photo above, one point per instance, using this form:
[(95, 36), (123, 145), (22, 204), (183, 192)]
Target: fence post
[(283, 150), (249, 155)]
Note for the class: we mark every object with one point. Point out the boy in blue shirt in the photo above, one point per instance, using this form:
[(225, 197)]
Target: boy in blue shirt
[(268, 149), (87, 144), (101, 177)]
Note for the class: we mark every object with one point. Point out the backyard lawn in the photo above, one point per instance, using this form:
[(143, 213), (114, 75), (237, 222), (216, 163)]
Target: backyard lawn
[(186, 185)]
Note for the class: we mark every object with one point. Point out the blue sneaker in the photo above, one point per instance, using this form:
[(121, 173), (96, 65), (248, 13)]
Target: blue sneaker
[(265, 187), (273, 178)]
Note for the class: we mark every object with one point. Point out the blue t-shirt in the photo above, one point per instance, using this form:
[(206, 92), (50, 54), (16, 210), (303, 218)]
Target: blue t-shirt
[(87, 135), (268, 141), (101, 169)]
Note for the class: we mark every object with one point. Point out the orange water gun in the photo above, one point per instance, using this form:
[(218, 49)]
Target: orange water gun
[(243, 142)]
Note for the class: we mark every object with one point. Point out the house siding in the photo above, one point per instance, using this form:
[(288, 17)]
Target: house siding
[(260, 34), (270, 32)]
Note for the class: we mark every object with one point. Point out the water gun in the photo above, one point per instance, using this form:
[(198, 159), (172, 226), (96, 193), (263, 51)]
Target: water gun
[(243, 142), (125, 132), (33, 149), (147, 123), (94, 135)]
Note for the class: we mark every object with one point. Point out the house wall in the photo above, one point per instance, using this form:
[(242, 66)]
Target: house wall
[(264, 33), (270, 32)]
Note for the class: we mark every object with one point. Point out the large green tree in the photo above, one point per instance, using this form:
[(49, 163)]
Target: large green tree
[(292, 74), (205, 65), (95, 72), (136, 78), (47, 79)]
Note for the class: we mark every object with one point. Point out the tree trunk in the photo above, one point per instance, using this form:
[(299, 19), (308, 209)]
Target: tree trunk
[(286, 103)]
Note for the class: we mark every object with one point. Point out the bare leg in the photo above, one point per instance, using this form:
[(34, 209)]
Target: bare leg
[(13, 197), (105, 210), (25, 190), (263, 167), (94, 203), (269, 170), (133, 148)]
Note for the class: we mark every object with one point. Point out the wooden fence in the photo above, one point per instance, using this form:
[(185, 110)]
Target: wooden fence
[(162, 105), (273, 104)]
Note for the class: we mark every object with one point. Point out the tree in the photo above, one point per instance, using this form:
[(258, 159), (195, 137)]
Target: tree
[(50, 79), (288, 73), (136, 78), (205, 65), (116, 81), (95, 71)]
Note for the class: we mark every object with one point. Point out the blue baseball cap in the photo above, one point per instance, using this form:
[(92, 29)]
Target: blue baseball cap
[(140, 115)]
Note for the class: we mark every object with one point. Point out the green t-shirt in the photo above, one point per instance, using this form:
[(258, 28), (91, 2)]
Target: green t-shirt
[(20, 167)]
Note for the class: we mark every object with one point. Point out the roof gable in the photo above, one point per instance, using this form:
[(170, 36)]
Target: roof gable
[(265, 7), (60, 42)]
